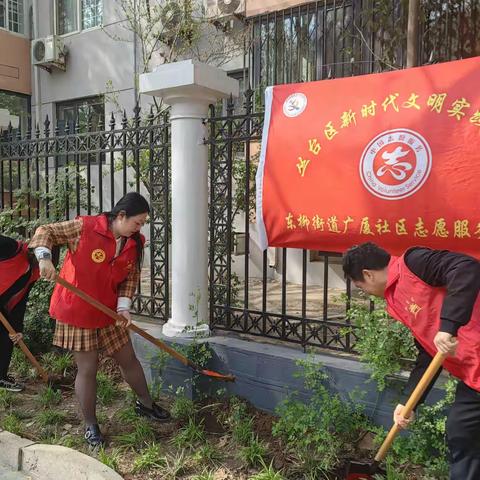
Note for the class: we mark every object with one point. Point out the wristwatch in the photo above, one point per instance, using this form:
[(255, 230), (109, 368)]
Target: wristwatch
[(45, 256)]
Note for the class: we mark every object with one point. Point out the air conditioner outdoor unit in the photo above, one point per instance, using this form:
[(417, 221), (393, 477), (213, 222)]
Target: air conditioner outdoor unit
[(49, 52), (215, 9)]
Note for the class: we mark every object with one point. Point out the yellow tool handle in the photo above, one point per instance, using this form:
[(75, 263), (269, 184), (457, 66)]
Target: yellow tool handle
[(422, 385)]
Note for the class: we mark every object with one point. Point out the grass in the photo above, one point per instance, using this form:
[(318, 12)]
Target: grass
[(205, 475), (149, 459), (12, 424), (49, 396), (58, 364), (110, 459), (7, 399), (49, 418), (183, 408), (267, 473), (72, 441), (175, 465), (107, 390), (242, 431), (208, 454), (21, 366), (142, 435), (127, 415), (190, 434), (254, 453)]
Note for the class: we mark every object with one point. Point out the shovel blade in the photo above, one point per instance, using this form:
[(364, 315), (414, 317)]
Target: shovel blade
[(362, 471)]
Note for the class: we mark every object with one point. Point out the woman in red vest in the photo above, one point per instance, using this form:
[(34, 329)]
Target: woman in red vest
[(104, 259), (18, 273), (435, 293)]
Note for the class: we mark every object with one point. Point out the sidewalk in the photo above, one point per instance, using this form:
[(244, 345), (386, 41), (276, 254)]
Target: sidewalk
[(22, 459), (6, 473)]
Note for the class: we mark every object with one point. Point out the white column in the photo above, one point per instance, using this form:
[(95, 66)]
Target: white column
[(189, 88)]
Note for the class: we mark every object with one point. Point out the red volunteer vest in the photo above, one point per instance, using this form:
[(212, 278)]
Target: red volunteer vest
[(94, 269), (12, 269), (418, 306)]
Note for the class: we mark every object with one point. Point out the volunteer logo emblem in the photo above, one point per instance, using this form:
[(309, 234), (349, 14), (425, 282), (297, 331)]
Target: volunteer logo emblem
[(396, 164), (294, 105), (98, 255)]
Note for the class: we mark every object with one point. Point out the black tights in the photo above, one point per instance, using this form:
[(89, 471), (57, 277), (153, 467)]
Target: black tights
[(86, 379)]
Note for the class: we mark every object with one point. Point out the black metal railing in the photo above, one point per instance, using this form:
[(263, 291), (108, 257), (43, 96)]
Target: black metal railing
[(313, 41), (49, 176), (249, 292)]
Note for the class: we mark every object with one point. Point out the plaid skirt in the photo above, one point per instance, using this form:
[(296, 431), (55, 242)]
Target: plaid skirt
[(107, 340)]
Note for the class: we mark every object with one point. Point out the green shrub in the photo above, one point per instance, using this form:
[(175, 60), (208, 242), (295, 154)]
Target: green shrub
[(319, 432), (382, 342)]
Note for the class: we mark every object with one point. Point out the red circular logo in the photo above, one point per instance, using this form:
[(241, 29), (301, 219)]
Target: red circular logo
[(395, 164)]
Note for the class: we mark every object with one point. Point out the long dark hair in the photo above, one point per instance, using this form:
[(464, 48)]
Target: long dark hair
[(132, 204)]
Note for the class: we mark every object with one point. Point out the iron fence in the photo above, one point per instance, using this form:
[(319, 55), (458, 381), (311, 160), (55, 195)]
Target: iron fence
[(48, 176)]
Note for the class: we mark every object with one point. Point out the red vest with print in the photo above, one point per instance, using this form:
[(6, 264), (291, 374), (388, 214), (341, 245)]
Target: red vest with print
[(418, 305), (12, 269), (94, 269)]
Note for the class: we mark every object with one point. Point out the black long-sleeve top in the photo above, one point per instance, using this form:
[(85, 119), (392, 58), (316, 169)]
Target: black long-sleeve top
[(460, 275)]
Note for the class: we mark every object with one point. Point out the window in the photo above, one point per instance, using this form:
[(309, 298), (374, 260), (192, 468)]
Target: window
[(66, 16), (73, 15), (242, 77), (3, 14), (333, 258), (17, 108), (12, 15), (15, 16), (79, 111), (92, 12)]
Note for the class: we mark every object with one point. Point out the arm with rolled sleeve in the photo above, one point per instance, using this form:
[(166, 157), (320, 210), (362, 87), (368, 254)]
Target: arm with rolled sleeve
[(126, 290)]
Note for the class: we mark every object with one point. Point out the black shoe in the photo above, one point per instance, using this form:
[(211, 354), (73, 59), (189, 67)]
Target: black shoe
[(11, 384), (155, 413), (94, 436)]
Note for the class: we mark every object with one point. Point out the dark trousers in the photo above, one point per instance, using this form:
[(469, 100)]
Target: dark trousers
[(463, 434), (15, 318)]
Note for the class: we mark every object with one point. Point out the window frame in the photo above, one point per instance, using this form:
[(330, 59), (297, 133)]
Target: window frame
[(6, 27), (88, 29), (75, 104), (79, 20), (25, 120), (57, 20)]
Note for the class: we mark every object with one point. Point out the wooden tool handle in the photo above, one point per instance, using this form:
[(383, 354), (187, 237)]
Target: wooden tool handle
[(112, 314), (422, 385), (25, 349), (161, 345)]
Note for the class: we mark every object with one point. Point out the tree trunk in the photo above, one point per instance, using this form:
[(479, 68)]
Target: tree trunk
[(412, 32)]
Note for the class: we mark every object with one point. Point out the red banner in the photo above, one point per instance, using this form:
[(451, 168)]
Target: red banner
[(392, 158)]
